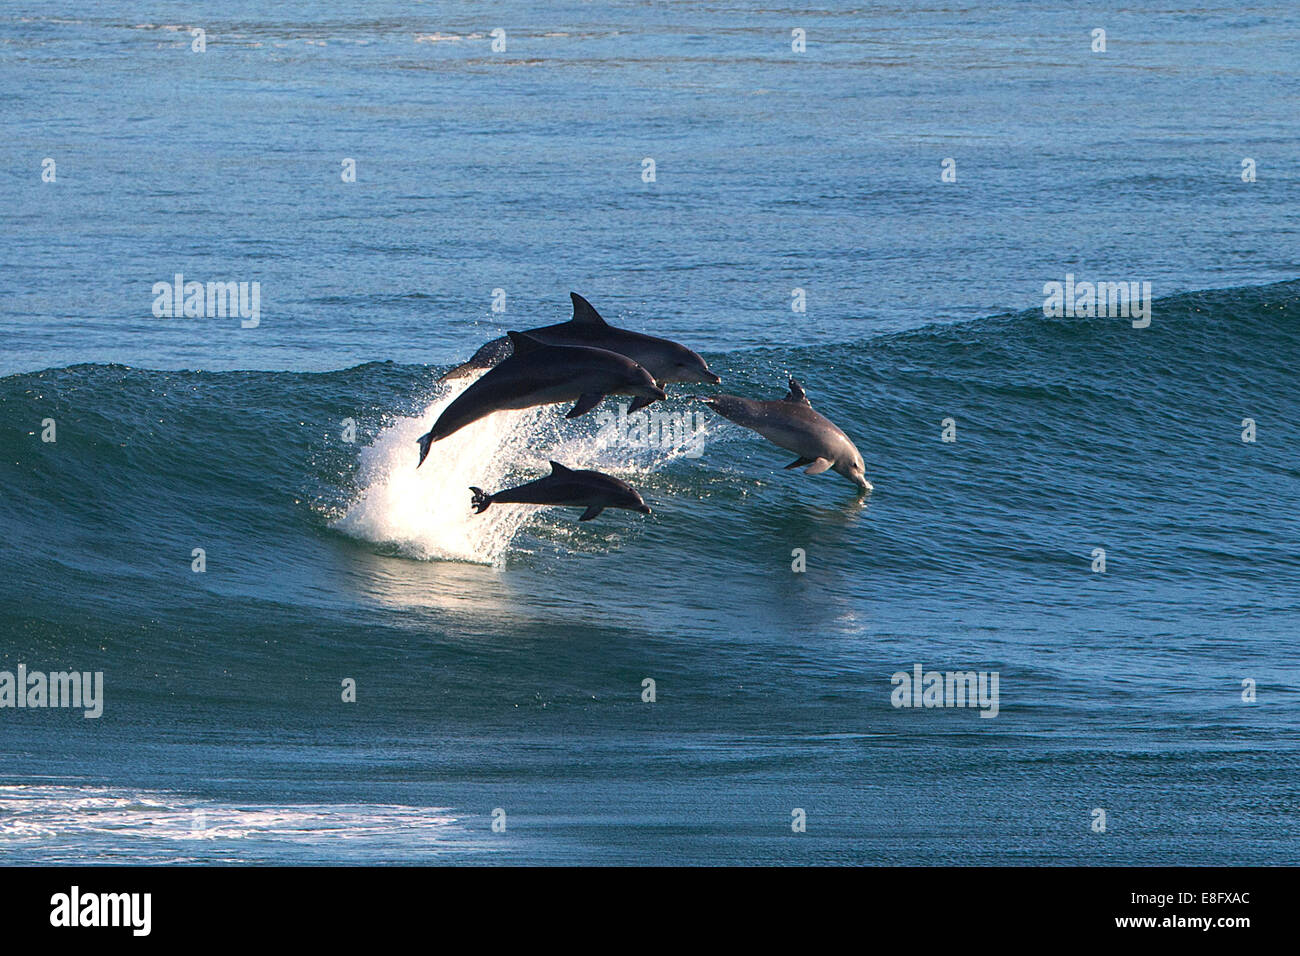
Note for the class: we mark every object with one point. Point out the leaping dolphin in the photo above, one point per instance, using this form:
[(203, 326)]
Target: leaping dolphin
[(792, 423), (490, 354), (567, 487), (666, 361), (538, 374)]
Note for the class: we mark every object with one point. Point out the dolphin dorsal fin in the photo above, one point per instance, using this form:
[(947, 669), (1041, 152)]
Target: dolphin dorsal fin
[(524, 343), (796, 394), (558, 469), (583, 311)]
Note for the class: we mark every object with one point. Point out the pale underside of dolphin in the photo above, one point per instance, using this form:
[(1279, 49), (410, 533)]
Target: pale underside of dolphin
[(567, 487), (666, 360), (794, 425), (538, 374)]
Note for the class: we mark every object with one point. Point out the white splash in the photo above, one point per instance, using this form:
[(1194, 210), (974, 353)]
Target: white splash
[(425, 513)]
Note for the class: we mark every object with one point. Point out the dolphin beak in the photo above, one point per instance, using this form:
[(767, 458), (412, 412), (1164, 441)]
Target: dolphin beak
[(715, 379), (644, 509)]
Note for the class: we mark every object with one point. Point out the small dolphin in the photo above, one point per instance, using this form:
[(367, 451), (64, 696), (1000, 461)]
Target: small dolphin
[(565, 486), (666, 361), (537, 374), (792, 424)]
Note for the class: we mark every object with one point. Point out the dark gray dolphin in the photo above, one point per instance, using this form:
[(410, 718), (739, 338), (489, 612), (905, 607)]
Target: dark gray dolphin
[(537, 374), (487, 356), (792, 424), (565, 486), (665, 360)]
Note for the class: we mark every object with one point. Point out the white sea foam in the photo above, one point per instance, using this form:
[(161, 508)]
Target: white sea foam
[(61, 818), (425, 513)]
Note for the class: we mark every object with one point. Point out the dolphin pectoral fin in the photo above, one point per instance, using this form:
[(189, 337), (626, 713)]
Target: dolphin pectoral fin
[(640, 403), (591, 513), (818, 466), (586, 402), (799, 463), (425, 441)]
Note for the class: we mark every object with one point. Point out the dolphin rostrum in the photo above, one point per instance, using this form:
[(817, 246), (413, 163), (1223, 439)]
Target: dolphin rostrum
[(666, 361), (538, 374), (792, 424), (565, 486)]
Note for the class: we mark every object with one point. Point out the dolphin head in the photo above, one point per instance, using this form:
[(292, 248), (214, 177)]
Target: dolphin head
[(683, 365), (853, 468), (624, 495), (643, 385)]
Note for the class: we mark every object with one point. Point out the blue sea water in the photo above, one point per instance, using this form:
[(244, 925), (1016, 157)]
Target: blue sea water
[(499, 661)]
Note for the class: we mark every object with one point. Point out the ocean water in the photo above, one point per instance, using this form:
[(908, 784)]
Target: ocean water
[(499, 659)]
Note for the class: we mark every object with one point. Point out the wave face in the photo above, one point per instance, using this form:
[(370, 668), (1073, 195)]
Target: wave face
[(144, 457), (1085, 419), (328, 559)]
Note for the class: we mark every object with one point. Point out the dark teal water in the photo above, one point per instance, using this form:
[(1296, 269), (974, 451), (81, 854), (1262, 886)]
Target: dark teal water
[(500, 665)]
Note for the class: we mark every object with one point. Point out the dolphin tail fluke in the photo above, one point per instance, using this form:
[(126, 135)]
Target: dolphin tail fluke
[(425, 441), (480, 501)]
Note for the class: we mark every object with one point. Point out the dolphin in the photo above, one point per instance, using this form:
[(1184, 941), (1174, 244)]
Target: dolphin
[(488, 355), (565, 486), (792, 424), (666, 361), (538, 374)]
